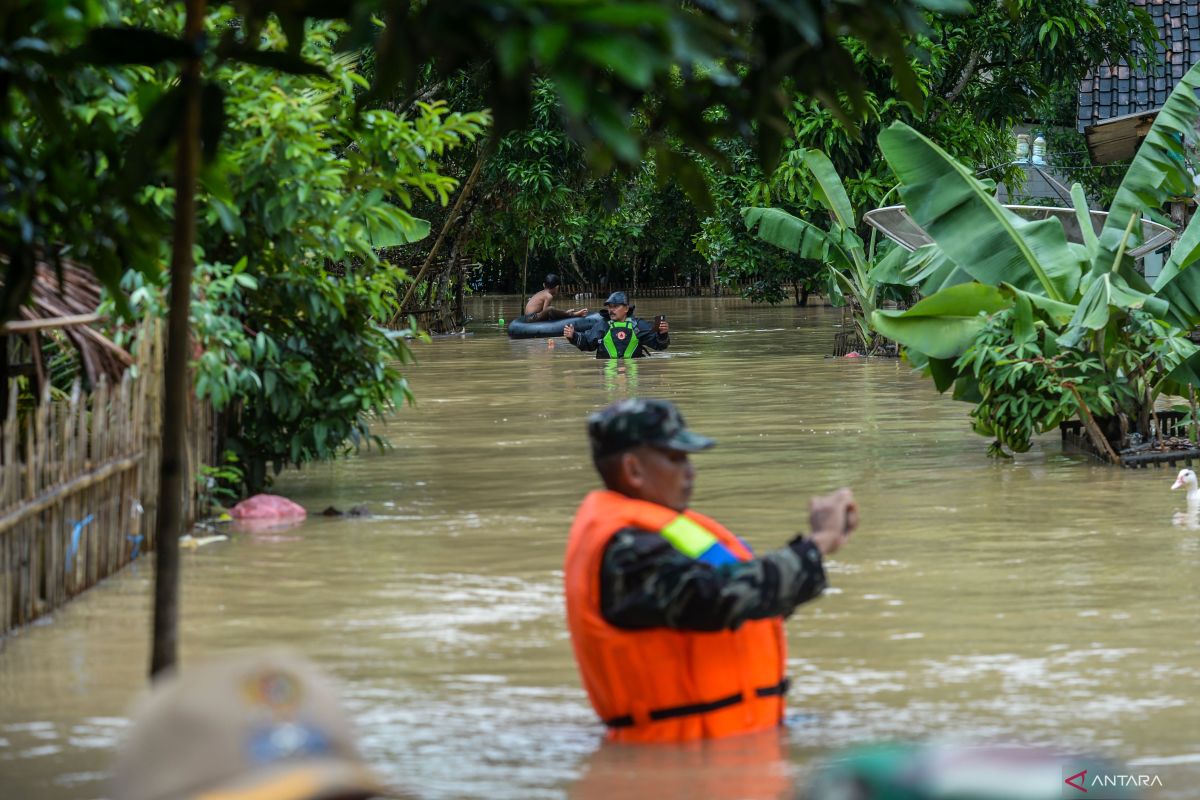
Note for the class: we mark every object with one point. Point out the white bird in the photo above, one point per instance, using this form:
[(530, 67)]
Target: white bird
[(1188, 478)]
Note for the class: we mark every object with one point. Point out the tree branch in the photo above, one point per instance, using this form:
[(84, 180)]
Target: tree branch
[(958, 88), (450, 220)]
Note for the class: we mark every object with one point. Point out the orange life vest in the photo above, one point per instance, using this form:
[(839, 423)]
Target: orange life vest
[(662, 684)]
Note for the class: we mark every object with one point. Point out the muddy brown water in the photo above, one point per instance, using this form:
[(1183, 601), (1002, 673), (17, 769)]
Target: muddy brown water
[(1045, 600)]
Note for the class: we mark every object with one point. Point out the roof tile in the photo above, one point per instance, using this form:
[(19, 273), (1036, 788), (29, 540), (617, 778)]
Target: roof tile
[(1116, 90)]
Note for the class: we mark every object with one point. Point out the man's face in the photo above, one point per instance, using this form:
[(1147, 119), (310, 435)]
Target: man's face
[(661, 476), (618, 313)]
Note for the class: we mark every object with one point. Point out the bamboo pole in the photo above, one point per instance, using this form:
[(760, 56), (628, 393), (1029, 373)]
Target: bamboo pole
[(48, 498), (11, 497), (164, 650), (27, 325)]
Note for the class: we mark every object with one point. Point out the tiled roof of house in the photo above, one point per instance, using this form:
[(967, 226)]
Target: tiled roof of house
[(1115, 91)]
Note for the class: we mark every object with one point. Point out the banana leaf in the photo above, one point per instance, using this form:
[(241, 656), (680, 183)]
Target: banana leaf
[(1184, 375), (928, 268), (942, 325), (895, 268), (988, 241), (778, 227), (1105, 292), (1024, 329), (1179, 282), (829, 191), (388, 228), (1083, 215), (1058, 313), (1158, 173)]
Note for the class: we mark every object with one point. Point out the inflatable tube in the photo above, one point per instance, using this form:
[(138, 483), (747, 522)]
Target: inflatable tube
[(550, 328)]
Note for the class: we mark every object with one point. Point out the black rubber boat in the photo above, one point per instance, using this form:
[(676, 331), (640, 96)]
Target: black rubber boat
[(518, 329)]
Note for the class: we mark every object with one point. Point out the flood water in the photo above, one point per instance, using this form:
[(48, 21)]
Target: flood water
[(1045, 600)]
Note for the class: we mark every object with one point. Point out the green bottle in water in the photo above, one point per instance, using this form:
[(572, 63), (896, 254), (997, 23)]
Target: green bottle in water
[(501, 322)]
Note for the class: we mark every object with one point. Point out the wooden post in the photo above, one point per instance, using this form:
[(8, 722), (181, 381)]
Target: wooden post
[(1195, 426), (164, 649), (460, 311)]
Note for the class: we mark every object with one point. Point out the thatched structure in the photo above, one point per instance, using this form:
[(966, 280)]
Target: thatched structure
[(63, 299)]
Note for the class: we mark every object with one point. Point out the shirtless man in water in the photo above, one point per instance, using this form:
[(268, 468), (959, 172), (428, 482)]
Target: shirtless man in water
[(538, 309)]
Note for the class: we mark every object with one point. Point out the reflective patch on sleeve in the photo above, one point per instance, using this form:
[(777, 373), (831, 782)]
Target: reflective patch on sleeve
[(688, 537)]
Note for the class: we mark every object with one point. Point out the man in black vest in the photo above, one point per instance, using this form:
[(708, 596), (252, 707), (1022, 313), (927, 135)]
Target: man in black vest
[(622, 336)]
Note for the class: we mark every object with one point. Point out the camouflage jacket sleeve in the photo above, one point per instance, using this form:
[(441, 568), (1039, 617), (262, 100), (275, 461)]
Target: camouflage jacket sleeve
[(647, 583)]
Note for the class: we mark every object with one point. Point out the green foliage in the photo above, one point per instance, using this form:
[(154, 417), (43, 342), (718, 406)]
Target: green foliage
[(987, 240), (1022, 391), (1047, 322), (608, 62), (61, 146), (302, 189), (944, 324), (980, 74), (735, 254), (220, 483), (304, 183), (848, 262), (1026, 384)]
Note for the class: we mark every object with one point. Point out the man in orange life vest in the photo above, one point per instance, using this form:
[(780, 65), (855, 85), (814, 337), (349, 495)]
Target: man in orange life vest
[(677, 627)]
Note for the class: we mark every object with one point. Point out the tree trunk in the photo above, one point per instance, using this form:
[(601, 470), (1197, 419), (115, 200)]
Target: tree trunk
[(714, 285), (525, 270), (1099, 440), (1144, 416), (467, 188), (165, 648)]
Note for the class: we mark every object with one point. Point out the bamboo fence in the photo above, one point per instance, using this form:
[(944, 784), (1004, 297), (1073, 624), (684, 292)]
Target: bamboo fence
[(79, 484)]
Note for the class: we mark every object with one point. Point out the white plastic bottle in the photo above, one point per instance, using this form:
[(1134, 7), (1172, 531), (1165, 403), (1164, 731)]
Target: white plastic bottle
[(1039, 149)]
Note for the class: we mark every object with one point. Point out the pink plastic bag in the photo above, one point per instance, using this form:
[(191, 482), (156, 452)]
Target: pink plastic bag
[(267, 506)]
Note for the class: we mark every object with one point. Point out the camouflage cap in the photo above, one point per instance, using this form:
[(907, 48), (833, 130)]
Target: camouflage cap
[(617, 299), (637, 421)]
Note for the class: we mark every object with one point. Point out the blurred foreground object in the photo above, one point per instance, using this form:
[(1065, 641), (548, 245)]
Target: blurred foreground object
[(262, 725), (959, 772)]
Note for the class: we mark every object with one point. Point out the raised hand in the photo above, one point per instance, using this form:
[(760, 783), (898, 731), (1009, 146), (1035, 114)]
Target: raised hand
[(833, 518)]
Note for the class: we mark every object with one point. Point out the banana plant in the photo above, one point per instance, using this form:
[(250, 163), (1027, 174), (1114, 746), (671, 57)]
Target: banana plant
[(1078, 306), (847, 259)]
